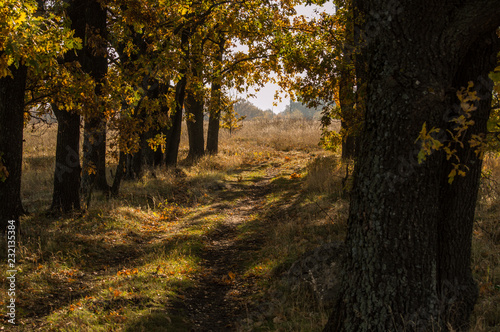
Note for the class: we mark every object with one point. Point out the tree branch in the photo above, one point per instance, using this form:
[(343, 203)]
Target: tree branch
[(472, 20)]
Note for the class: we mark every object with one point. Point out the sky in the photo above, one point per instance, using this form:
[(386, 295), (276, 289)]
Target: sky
[(264, 98)]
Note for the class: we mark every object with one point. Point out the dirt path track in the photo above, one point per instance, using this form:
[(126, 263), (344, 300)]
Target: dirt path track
[(216, 303)]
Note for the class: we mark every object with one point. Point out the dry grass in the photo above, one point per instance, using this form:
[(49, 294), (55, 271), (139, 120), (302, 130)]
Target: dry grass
[(281, 135), (325, 174), (486, 248), (123, 265), (38, 166)]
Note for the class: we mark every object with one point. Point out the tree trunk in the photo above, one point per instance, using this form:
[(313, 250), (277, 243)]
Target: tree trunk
[(195, 107), (67, 174), (94, 155), (174, 132), (195, 126), (12, 91), (391, 273), (133, 165), (119, 174), (214, 119), (66, 194), (457, 288), (94, 62), (215, 104), (148, 154)]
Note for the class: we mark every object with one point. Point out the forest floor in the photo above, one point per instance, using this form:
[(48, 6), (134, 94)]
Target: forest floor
[(203, 248)]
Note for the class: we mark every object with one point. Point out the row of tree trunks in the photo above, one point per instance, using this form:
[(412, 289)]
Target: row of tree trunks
[(12, 91), (192, 100), (409, 232)]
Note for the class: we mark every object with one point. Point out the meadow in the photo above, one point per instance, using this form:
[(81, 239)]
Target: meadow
[(207, 245)]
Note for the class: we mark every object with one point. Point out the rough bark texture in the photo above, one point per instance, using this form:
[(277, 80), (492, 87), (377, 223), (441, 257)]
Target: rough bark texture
[(393, 266), (93, 59), (66, 194), (457, 289), (11, 144), (194, 106), (67, 174)]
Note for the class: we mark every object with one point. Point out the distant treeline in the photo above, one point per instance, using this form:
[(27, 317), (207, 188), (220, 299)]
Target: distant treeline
[(295, 110)]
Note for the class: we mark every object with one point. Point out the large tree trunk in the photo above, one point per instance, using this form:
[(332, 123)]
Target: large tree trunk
[(12, 91), (67, 174), (457, 288), (94, 62), (66, 194), (391, 278)]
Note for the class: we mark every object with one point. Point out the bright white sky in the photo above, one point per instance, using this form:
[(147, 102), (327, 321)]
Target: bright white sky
[(265, 97)]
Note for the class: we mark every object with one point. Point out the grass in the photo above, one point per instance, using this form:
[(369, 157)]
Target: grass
[(126, 263), (486, 249)]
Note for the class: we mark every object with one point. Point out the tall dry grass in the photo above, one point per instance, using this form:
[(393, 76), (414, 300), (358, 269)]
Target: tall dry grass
[(235, 149), (302, 214), (279, 134), (38, 166), (486, 248)]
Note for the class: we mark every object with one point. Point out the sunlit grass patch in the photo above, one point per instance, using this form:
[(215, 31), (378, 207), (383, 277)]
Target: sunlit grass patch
[(122, 292), (486, 248), (292, 221)]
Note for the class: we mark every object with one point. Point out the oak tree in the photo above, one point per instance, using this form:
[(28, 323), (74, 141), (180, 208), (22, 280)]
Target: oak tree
[(407, 264)]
